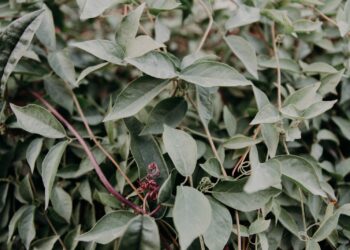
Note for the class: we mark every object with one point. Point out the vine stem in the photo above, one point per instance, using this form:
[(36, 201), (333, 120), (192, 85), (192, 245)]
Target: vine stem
[(275, 50), (238, 231), (89, 154), (210, 24), (98, 144), (54, 231)]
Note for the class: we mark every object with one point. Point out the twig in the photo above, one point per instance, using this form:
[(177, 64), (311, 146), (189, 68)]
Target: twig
[(98, 144), (238, 231), (279, 95), (210, 24), (90, 155), (54, 231), (302, 209)]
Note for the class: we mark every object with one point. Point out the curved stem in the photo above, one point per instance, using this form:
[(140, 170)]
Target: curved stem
[(211, 21), (89, 154)]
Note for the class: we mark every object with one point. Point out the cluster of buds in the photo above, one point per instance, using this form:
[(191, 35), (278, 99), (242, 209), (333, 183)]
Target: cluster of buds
[(148, 184)]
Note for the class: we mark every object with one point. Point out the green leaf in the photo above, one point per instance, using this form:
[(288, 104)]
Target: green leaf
[(108, 228), (141, 234), (288, 222), (260, 98), (45, 243), (304, 97), (280, 17), (245, 52), (212, 167), (285, 64), (244, 15), (135, 96), (59, 92), (129, 26), (230, 122), (192, 215), (318, 108), (161, 5), (141, 45), (49, 167), (87, 71), (312, 245), (33, 152), (165, 191), (46, 31), (62, 66), (182, 149), (85, 191), (145, 150), (62, 203), (168, 112), (162, 32), (14, 221), (103, 49), (213, 74), (14, 41), (219, 230), (90, 8), (156, 64), (231, 194), (271, 136), (267, 114), (330, 82), (258, 226), (205, 104), (240, 141), (301, 172), (318, 68), (306, 26), (37, 120), (263, 175), (344, 126), (26, 227)]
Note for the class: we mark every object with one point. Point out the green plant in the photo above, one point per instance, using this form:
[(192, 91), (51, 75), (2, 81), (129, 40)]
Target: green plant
[(174, 124)]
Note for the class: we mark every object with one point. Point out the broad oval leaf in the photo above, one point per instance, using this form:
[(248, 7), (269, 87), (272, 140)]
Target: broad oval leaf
[(62, 203), (245, 52), (49, 167), (141, 233), (141, 45), (240, 141), (135, 96), (91, 8), (36, 119), (168, 112), (161, 5), (242, 16), (192, 214), (108, 228), (26, 227), (182, 149), (62, 66), (33, 152), (213, 74)]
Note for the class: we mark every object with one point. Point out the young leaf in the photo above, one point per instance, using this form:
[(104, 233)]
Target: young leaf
[(62, 203), (141, 45), (88, 71), (26, 227), (240, 141), (62, 66), (156, 64), (46, 31), (245, 52), (135, 96), (259, 226), (168, 112), (14, 41), (212, 167), (267, 114), (35, 119), (230, 122), (49, 167), (243, 15), (205, 105), (90, 8), (213, 74), (182, 149), (141, 233), (192, 214), (271, 137), (108, 228), (33, 152)]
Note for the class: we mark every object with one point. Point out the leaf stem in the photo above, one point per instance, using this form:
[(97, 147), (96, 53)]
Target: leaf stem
[(90, 155), (98, 144), (275, 50), (54, 231), (210, 24), (238, 231)]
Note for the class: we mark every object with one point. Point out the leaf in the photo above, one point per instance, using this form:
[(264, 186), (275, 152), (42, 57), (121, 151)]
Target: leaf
[(244, 15), (145, 150), (288, 222), (301, 172), (87, 71), (192, 215), (212, 167), (49, 167), (306, 26), (318, 68), (59, 92), (219, 230), (135, 96), (213, 74), (271, 136), (26, 227), (108, 228), (15, 219), (284, 63), (129, 26), (161, 5), (62, 203), (156, 64), (231, 194), (103, 49), (33, 152), (62, 66), (268, 114), (245, 52), (280, 17), (344, 126), (37, 120), (304, 97), (162, 32), (141, 45), (90, 8), (46, 31), (14, 41), (312, 245), (205, 105), (165, 191), (230, 122), (263, 175), (45, 243), (260, 98), (318, 108), (240, 141), (258, 226), (168, 112), (141, 234), (330, 82), (182, 149)]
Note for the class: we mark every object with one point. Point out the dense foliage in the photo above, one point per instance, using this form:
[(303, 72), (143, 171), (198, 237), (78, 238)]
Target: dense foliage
[(174, 124)]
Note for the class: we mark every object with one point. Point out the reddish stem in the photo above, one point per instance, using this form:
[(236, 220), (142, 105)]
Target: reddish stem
[(88, 152)]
